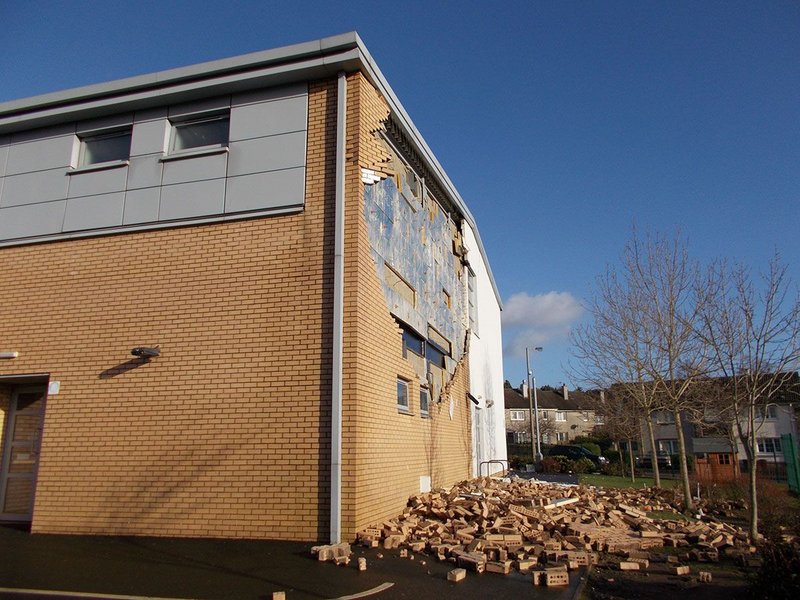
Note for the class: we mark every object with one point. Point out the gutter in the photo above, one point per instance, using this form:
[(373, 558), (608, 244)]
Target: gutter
[(338, 313)]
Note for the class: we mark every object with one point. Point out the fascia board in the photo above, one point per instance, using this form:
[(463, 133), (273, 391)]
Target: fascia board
[(295, 52)]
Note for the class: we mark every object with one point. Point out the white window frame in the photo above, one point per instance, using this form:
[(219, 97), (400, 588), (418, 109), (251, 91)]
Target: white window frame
[(771, 414), (99, 136), (177, 124), (403, 395), (562, 436), (517, 415), (424, 406), (670, 446), (561, 416), (769, 445)]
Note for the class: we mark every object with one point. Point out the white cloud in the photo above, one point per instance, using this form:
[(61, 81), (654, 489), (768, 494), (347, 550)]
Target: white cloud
[(530, 321)]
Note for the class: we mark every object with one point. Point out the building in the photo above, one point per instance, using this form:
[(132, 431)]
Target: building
[(563, 415), (241, 299), (708, 437)]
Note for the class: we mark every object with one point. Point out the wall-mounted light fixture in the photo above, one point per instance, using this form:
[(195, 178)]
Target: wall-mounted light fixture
[(146, 351), (9, 355)]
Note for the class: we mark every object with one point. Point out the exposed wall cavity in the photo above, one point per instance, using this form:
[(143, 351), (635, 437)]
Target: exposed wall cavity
[(417, 249)]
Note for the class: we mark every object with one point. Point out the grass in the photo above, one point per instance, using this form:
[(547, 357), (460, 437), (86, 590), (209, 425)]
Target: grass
[(613, 481)]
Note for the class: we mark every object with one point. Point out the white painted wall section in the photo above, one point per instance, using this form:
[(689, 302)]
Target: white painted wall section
[(485, 367)]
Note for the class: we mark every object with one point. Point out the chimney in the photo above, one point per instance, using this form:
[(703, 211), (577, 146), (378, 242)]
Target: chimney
[(565, 391), (524, 389)]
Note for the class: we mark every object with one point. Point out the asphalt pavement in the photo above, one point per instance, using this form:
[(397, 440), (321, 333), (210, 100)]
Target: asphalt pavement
[(59, 566)]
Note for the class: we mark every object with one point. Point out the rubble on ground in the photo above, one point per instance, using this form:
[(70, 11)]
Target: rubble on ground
[(546, 529)]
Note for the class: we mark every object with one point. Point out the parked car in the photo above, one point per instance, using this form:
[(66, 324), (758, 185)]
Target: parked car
[(576, 452), (662, 458)]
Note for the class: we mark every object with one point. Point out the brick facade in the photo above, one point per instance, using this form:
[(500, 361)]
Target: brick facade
[(224, 433), (227, 433)]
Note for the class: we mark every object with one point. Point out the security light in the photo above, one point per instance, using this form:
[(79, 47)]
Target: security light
[(146, 352), (9, 354)]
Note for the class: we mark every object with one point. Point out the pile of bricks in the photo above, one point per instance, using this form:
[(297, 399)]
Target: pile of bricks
[(496, 525)]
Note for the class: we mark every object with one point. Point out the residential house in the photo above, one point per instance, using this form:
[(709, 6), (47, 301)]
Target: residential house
[(563, 415), (240, 299), (704, 437)]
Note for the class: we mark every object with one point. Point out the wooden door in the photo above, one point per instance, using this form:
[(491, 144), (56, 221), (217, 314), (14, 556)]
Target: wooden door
[(21, 443)]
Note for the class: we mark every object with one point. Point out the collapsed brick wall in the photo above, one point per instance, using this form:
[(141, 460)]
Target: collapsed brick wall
[(386, 452), (226, 434)]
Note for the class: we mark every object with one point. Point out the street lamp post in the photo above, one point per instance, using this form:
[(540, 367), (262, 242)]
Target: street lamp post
[(536, 451)]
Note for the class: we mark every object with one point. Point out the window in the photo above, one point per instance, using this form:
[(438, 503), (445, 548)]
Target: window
[(561, 416), (402, 395), (424, 400), (545, 438), (561, 436), (663, 417), (724, 459), (517, 415), (769, 445), (106, 147), (473, 303), (412, 342), (770, 413), (521, 437), (668, 446), (599, 419), (544, 415), (208, 132), (585, 416), (434, 355)]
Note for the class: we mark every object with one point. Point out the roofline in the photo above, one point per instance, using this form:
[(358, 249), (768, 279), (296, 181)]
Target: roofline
[(304, 61)]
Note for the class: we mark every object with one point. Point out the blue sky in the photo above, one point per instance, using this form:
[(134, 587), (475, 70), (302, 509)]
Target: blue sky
[(562, 124)]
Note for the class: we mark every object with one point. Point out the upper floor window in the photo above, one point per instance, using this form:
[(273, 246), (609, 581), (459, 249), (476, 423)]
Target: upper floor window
[(207, 132), (517, 415), (771, 412), (473, 302), (105, 147), (561, 416), (664, 417)]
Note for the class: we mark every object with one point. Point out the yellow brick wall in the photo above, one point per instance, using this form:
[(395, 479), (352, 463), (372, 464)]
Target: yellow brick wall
[(390, 451), (224, 433)]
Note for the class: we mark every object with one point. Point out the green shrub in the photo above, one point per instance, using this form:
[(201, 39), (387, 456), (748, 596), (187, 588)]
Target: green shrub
[(551, 464), (584, 465), (611, 468), (779, 575), (591, 447)]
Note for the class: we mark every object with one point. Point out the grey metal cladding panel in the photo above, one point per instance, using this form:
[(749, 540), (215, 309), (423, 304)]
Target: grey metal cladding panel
[(195, 168), (141, 206), (94, 212), (111, 122), (266, 190), (149, 137), (40, 154), (4, 141), (32, 188), (267, 153), (32, 220), (267, 94), (144, 171), (199, 107), (91, 183), (195, 199), (269, 118)]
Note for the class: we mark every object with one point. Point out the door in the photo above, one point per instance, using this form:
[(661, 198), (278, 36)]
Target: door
[(21, 442)]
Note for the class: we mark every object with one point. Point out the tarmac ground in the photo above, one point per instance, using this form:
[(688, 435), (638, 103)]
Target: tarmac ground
[(39, 566)]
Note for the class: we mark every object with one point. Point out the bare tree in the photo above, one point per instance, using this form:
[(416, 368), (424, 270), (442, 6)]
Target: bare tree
[(642, 336), (609, 350), (621, 422), (752, 332)]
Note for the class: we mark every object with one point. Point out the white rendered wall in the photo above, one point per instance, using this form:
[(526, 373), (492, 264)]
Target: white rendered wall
[(486, 368)]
